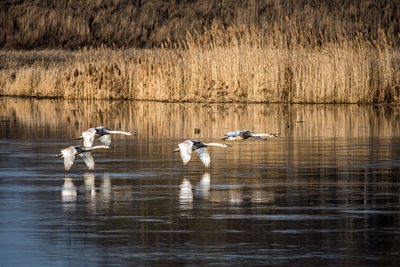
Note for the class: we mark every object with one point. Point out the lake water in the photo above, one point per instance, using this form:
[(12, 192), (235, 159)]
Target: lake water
[(326, 192)]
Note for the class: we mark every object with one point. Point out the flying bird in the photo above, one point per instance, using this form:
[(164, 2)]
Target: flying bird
[(241, 135), (69, 154), (101, 132), (185, 148)]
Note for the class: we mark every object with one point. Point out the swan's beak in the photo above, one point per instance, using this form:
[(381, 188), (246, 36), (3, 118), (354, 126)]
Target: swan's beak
[(78, 138), (176, 150), (227, 145), (59, 155)]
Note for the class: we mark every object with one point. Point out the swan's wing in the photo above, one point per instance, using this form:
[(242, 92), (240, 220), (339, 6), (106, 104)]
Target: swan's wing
[(88, 137), (242, 132), (105, 139), (88, 159), (267, 135), (232, 134), (69, 157), (185, 149), (102, 129), (259, 136), (204, 156)]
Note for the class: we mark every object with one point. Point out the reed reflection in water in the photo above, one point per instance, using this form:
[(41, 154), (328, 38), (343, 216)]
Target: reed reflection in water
[(326, 191), (163, 120)]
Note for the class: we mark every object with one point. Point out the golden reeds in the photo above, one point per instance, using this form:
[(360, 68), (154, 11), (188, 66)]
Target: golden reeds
[(233, 64)]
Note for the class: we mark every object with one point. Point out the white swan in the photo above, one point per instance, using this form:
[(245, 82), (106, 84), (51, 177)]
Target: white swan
[(69, 154), (101, 132), (241, 135), (185, 148)]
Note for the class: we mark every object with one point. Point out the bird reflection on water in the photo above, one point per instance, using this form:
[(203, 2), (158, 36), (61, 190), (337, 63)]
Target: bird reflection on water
[(69, 194), (186, 195), (231, 195), (97, 198), (93, 195), (296, 201), (201, 190)]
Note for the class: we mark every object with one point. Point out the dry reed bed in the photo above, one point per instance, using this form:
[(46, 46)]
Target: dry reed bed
[(230, 65)]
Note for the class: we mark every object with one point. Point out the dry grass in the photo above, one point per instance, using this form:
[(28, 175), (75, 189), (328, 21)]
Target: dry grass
[(234, 64)]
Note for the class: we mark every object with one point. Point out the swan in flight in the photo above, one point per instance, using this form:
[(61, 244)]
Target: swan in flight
[(101, 132), (69, 154), (185, 148), (241, 135)]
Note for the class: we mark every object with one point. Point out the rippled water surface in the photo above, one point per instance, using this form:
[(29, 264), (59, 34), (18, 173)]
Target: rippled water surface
[(326, 192)]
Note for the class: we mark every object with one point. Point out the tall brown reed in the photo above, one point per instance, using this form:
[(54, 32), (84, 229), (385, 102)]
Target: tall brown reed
[(233, 64)]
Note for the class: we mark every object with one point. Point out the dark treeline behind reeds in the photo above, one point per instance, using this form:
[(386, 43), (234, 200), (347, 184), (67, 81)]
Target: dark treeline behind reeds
[(72, 24)]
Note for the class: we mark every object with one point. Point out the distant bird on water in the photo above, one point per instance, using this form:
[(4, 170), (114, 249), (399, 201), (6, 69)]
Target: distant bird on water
[(69, 154), (241, 135), (101, 132), (185, 148)]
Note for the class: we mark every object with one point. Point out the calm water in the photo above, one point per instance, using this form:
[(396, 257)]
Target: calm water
[(325, 193)]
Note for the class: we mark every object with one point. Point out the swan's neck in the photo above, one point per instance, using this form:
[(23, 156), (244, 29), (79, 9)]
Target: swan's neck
[(216, 144), (118, 132), (262, 135), (94, 147)]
